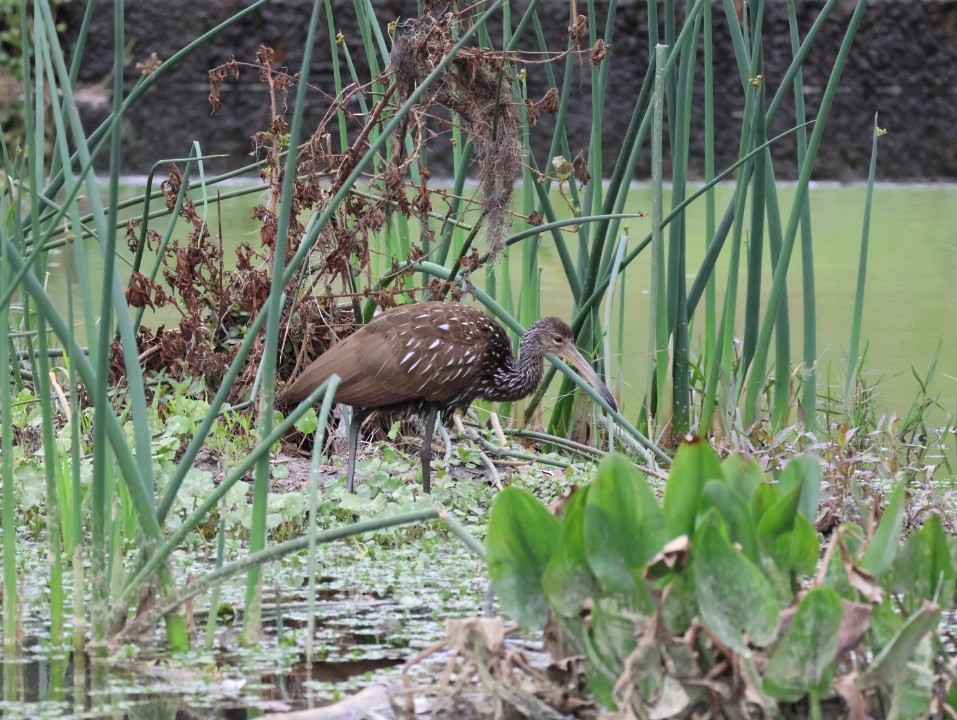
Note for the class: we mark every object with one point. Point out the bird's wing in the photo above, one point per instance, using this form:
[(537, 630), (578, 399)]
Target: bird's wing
[(427, 351), (440, 351)]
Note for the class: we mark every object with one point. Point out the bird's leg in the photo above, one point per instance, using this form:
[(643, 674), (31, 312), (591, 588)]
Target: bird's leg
[(356, 418), (426, 453)]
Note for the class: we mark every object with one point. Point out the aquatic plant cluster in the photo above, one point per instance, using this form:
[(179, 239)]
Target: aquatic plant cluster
[(123, 445)]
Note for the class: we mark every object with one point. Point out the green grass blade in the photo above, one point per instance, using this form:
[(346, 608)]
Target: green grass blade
[(855, 341)]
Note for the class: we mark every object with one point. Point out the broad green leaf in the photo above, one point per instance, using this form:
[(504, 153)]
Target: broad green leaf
[(568, 581), (764, 497), (884, 544), (796, 552), (743, 474), (522, 535), (892, 660), (778, 579), (804, 471), (695, 463), (602, 672), (623, 525), (886, 622), (924, 568), (778, 519), (804, 659), (679, 607), (734, 598), (737, 517), (914, 688), (941, 572), (614, 627)]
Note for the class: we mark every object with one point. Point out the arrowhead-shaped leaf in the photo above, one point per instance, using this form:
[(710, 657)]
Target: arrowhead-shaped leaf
[(895, 655), (522, 536), (743, 475), (734, 598), (779, 517), (735, 513), (568, 581), (924, 567), (623, 525), (804, 659), (804, 471), (695, 464)]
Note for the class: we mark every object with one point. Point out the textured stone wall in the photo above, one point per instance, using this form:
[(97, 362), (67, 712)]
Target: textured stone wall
[(903, 66)]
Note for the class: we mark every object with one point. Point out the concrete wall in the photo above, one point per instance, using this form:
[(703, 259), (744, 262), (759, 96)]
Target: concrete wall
[(903, 65)]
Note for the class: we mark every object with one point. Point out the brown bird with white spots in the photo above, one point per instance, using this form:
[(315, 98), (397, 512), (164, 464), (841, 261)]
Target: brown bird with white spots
[(433, 357)]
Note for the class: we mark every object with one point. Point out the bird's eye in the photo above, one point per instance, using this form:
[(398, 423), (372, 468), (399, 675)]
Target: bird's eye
[(559, 339)]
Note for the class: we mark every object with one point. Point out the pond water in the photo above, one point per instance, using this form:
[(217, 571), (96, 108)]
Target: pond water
[(910, 300), (376, 607)]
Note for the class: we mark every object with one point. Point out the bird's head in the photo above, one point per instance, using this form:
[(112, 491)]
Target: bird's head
[(550, 335)]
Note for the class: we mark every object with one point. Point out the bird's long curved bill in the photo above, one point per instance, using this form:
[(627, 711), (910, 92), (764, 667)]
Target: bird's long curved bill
[(575, 358)]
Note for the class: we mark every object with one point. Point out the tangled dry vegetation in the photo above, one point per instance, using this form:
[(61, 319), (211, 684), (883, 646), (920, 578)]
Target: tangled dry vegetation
[(217, 297)]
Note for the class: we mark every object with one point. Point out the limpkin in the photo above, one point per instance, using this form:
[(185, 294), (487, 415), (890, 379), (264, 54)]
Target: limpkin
[(434, 357)]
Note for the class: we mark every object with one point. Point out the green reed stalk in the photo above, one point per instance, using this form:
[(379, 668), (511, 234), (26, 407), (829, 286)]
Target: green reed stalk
[(809, 381), (781, 405), (658, 339), (530, 303), (607, 324), (101, 499), (678, 321), (559, 143), (594, 249), (741, 54), (599, 76), (756, 375), (318, 441), (801, 51), (35, 120), (624, 170), (212, 620), (451, 233), (718, 368), (267, 397), (757, 136), (69, 475), (853, 352), (50, 466), (337, 77), (372, 36), (10, 590), (711, 302), (136, 469)]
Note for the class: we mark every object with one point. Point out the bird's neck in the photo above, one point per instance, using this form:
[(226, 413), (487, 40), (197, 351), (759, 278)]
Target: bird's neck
[(517, 377)]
